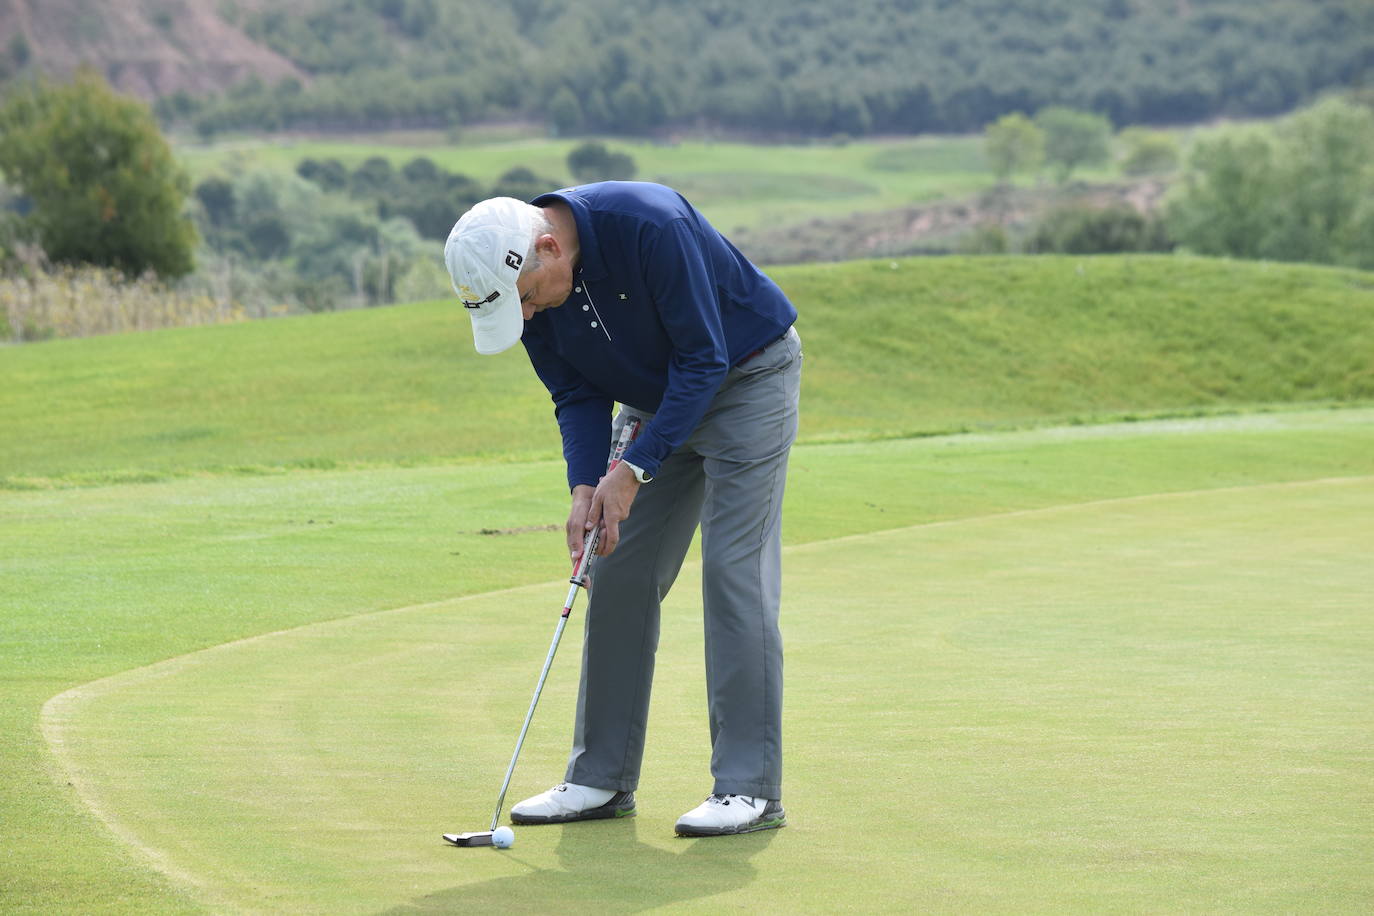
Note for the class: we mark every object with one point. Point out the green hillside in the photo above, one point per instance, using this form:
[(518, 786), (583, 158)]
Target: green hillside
[(766, 66), (814, 68), (893, 348)]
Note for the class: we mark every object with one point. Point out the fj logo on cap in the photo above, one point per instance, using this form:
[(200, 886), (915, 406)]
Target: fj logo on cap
[(513, 260)]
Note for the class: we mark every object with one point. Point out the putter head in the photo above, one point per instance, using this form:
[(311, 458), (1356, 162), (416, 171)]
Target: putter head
[(477, 838)]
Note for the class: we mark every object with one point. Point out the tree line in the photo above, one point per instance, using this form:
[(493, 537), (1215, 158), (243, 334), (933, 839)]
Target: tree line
[(787, 67), (90, 181), (1297, 189)]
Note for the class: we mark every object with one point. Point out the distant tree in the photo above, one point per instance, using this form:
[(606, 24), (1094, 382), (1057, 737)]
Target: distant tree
[(1302, 191), (216, 195), (1014, 143), (105, 187), (420, 170), (19, 51), (1073, 139), (330, 175), (596, 113), (15, 55), (423, 198), (269, 236), (633, 109), (1326, 184), (565, 112), (521, 183), (179, 106), (592, 161), (1227, 201), (1147, 152), (373, 178), (411, 17)]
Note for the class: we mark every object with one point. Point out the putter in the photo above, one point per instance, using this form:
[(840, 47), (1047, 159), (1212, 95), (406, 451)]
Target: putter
[(581, 578)]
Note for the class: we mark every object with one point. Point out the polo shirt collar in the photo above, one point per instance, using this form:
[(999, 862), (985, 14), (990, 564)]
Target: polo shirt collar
[(591, 266)]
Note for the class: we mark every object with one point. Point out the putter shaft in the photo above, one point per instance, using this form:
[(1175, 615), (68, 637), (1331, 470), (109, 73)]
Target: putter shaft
[(580, 579)]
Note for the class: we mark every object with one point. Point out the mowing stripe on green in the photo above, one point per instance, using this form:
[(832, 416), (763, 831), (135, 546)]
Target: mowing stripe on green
[(1151, 703)]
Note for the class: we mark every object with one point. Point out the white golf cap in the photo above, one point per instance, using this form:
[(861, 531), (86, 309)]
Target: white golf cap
[(484, 252)]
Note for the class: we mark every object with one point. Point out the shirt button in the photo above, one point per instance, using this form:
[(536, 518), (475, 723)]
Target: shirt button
[(586, 308), (593, 324), (577, 289)]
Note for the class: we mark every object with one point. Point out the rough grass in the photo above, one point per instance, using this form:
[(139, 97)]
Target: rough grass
[(908, 347), (893, 348), (45, 302)]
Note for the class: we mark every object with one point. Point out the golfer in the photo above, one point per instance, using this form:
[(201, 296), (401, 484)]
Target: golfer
[(623, 294)]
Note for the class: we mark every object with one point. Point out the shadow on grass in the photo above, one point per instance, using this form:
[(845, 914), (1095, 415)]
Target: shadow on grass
[(603, 866)]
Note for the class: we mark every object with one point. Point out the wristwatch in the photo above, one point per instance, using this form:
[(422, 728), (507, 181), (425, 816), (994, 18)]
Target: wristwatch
[(639, 472)]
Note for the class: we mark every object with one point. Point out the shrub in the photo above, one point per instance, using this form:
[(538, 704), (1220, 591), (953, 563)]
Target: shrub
[(1147, 152), (592, 161), (988, 238), (1081, 229)]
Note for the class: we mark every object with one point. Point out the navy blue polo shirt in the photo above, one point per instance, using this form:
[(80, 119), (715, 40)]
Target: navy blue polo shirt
[(662, 306)]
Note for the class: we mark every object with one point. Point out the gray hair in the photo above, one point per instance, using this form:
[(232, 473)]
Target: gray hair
[(540, 226)]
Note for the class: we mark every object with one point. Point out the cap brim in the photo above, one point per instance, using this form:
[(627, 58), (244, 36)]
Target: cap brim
[(498, 330)]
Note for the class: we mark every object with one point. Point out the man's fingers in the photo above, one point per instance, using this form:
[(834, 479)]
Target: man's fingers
[(610, 536), (575, 535), (576, 529), (593, 515)]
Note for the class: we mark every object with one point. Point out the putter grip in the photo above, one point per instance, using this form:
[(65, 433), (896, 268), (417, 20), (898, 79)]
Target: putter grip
[(583, 569)]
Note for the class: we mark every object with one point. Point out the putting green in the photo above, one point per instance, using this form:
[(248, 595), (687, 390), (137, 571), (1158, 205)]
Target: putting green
[(1156, 703)]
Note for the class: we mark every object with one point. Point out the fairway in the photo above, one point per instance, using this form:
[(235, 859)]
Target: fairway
[(737, 185), (1159, 702)]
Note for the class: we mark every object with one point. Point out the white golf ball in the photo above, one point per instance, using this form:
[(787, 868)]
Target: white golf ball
[(503, 837)]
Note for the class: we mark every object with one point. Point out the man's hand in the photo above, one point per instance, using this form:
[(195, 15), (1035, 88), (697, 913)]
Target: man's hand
[(610, 506), (576, 529)]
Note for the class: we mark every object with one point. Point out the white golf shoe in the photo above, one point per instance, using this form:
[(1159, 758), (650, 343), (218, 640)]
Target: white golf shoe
[(722, 815), (568, 801)]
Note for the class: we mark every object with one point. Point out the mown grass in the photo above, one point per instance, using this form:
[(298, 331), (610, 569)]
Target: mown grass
[(264, 476), (737, 185), (103, 580), (893, 348), (1068, 702)]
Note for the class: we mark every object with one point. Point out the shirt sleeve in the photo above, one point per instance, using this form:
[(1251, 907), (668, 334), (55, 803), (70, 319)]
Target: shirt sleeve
[(683, 286), (583, 412)]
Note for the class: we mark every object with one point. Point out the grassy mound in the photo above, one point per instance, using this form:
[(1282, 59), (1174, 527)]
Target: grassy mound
[(893, 349), (1010, 648)]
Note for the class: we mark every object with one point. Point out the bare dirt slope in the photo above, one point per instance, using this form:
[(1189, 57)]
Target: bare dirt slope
[(937, 227), (148, 48)]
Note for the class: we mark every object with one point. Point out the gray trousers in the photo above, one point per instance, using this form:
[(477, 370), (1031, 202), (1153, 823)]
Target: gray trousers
[(729, 478)]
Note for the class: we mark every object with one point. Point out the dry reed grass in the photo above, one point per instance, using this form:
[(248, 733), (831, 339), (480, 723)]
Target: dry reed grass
[(39, 301)]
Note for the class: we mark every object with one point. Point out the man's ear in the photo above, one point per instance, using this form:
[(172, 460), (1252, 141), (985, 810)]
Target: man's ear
[(547, 246)]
